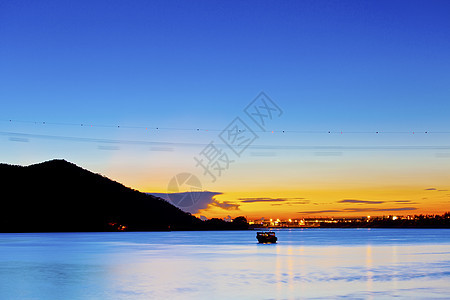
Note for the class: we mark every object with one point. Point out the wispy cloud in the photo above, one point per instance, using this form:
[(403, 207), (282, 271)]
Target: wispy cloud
[(360, 201), (295, 200), (356, 201), (300, 202), (253, 200), (397, 209), (356, 209), (379, 209), (435, 189), (318, 211), (225, 205)]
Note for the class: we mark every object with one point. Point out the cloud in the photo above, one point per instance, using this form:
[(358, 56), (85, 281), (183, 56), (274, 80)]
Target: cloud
[(267, 199), (318, 211), (225, 205), (201, 200), (397, 209), (253, 200), (356, 209), (360, 201), (378, 209), (300, 202), (374, 202), (435, 189)]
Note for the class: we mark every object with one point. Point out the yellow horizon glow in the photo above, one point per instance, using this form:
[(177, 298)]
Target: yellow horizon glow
[(398, 180), (425, 201)]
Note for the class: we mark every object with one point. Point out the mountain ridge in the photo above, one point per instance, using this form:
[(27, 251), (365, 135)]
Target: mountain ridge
[(58, 195)]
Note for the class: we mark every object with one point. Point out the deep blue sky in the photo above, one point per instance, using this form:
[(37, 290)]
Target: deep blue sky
[(335, 63), (330, 65)]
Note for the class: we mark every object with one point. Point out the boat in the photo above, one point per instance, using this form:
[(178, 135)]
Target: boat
[(266, 237)]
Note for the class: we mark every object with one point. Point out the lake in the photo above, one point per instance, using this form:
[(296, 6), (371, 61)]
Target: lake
[(305, 263)]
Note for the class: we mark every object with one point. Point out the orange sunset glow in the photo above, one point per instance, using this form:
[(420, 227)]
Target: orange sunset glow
[(301, 184)]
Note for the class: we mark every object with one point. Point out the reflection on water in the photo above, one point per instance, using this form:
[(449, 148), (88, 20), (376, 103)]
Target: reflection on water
[(369, 269), (310, 263)]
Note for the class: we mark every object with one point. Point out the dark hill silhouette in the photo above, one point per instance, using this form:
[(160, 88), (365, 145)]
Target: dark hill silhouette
[(60, 196)]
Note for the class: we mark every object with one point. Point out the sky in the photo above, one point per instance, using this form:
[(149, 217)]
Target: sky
[(170, 96)]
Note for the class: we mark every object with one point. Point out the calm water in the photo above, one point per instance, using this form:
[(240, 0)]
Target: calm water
[(309, 263)]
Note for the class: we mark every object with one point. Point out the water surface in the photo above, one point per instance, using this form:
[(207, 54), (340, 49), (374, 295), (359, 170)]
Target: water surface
[(308, 263)]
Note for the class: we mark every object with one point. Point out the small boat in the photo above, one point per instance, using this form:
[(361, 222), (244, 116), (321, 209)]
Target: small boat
[(266, 237)]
